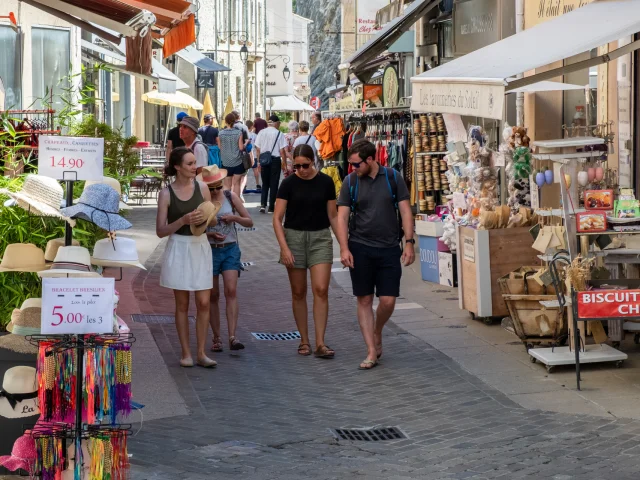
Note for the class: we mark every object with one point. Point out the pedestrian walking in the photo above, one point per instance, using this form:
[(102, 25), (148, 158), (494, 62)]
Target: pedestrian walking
[(272, 141), (173, 136), (225, 251), (208, 132), (189, 135), (187, 262), (294, 132), (316, 119), (307, 203), (259, 123), (307, 139), (256, 166), (369, 234), (231, 146)]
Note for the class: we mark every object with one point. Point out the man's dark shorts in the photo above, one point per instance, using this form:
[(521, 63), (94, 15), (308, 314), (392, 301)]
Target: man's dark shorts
[(376, 270)]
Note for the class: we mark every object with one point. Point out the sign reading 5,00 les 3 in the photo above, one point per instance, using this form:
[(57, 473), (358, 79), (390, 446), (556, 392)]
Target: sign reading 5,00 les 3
[(609, 304), (71, 158)]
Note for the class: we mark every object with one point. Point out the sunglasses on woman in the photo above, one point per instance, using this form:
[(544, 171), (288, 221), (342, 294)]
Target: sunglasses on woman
[(216, 188), (305, 166)]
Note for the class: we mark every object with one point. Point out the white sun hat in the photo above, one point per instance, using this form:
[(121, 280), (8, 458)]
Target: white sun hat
[(19, 393), (40, 195), (70, 262), (120, 252)]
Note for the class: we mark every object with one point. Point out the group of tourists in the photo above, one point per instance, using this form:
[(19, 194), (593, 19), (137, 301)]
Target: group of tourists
[(371, 219)]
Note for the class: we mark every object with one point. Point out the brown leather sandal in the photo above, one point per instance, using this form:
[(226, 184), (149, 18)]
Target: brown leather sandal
[(304, 349), (323, 351)]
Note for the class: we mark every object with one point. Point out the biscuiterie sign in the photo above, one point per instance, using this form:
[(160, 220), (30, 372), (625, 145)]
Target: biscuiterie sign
[(609, 304)]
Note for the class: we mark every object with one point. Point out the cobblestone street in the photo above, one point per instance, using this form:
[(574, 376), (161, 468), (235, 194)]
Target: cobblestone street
[(267, 413)]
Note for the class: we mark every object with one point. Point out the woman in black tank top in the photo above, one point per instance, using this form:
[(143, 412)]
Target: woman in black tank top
[(187, 265)]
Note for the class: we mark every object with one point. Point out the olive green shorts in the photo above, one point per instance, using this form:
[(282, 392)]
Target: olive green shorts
[(310, 248)]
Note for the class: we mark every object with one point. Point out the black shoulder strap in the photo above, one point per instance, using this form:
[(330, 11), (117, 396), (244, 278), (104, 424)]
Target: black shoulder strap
[(227, 194), (275, 143), (308, 139)]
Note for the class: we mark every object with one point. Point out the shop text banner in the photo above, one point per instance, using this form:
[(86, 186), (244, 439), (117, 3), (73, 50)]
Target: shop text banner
[(609, 304), (77, 305), (478, 100), (71, 158), (366, 15)]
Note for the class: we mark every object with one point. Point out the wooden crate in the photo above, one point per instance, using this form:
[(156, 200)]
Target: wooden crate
[(483, 257)]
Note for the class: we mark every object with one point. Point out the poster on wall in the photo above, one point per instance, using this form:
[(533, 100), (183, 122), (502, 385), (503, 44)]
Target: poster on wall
[(366, 15), (373, 93)]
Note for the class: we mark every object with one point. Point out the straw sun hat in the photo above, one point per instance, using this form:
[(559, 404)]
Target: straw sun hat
[(52, 248), (22, 257), (70, 262), (26, 323), (209, 210), (40, 196), (212, 174)]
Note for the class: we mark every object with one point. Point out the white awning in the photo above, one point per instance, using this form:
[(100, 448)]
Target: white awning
[(475, 83), (547, 86), (178, 100), (288, 103)]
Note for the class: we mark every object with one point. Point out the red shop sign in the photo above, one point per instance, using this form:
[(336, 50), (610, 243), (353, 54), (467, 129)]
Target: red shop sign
[(609, 304)]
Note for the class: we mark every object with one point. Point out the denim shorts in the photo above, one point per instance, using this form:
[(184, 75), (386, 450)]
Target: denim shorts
[(226, 258)]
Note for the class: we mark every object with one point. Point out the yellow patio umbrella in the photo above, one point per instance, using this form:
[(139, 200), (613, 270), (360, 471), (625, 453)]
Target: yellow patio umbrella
[(192, 113), (208, 110), (178, 100), (229, 107)]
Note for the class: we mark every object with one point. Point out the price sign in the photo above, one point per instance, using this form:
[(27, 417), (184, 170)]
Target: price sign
[(71, 158), (609, 304), (77, 305)]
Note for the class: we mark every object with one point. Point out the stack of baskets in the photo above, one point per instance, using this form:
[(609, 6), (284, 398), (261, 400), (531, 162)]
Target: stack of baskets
[(430, 134)]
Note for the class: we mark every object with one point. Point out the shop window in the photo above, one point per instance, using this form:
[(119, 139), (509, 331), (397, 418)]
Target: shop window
[(10, 67), (577, 111), (50, 64)]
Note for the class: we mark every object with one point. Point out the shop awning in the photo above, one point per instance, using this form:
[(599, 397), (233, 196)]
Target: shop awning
[(179, 100), (390, 33), (288, 103), (201, 61), (168, 82), (475, 84), (546, 86), (129, 17)]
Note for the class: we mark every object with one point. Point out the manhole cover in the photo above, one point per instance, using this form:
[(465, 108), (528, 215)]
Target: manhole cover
[(369, 434), (156, 318), (277, 336), (451, 298), (457, 326), (441, 291)]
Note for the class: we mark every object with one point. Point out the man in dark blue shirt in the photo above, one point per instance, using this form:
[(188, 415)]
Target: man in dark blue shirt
[(208, 132)]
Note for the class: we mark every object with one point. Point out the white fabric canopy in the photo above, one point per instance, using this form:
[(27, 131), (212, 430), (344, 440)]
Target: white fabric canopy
[(546, 86), (475, 83), (178, 100), (288, 103)]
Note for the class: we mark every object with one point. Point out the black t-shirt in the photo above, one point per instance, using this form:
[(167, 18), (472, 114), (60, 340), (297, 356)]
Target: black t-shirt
[(307, 202), (209, 134), (174, 136)]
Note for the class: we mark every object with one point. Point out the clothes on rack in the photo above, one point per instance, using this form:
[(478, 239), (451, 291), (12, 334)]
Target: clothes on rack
[(330, 133), (332, 169)]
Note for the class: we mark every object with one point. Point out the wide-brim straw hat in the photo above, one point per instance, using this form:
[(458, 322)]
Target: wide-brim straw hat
[(15, 314), (209, 210), (113, 183), (51, 250), (119, 252), (40, 195), (70, 262), (23, 257), (212, 174), (28, 322), (100, 205), (19, 393)]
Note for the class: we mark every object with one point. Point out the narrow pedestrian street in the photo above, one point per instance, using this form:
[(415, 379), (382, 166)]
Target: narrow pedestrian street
[(268, 413)]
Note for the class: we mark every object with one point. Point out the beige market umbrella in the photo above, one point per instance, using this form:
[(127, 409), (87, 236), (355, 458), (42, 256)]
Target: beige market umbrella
[(177, 100), (192, 113), (208, 110), (229, 107)]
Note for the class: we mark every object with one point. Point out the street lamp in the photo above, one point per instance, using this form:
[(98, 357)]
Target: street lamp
[(286, 73), (244, 53)]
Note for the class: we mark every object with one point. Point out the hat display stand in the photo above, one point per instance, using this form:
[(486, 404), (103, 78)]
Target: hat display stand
[(100, 369)]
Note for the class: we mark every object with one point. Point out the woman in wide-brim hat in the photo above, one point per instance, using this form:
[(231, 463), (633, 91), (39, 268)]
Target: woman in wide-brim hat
[(187, 260), (225, 252)]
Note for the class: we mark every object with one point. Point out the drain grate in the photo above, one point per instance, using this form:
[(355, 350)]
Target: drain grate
[(248, 264), (277, 336), (441, 291), (168, 319), (451, 298), (457, 326), (245, 229), (369, 434)]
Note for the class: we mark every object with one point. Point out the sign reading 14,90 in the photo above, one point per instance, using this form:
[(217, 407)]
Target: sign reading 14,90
[(71, 158), (77, 306)]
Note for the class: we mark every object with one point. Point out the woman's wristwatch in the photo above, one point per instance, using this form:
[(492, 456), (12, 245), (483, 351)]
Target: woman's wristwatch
[(410, 240)]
